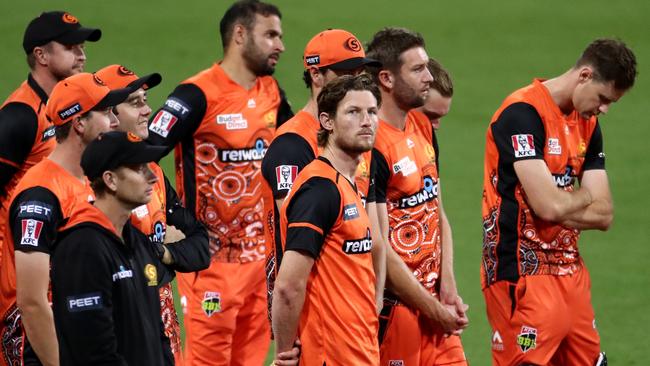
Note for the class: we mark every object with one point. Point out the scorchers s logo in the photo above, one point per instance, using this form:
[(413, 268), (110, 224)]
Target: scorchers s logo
[(254, 153)]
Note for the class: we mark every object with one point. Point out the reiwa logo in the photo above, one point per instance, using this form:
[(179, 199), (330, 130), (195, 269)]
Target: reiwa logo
[(564, 180), (428, 193), (254, 153), (358, 246)]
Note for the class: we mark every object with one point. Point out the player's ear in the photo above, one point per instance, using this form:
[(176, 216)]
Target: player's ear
[(239, 32), (317, 77), (40, 55), (585, 73), (110, 180), (325, 121), (78, 125), (386, 79)]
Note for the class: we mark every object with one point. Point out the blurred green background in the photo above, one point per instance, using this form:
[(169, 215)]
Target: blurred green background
[(490, 48)]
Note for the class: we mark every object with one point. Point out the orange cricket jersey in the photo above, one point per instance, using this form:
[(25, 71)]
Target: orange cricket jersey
[(31, 94), (338, 324), (69, 191), (515, 241), (229, 145), (411, 194)]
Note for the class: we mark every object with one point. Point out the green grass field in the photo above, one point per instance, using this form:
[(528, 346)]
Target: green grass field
[(490, 48)]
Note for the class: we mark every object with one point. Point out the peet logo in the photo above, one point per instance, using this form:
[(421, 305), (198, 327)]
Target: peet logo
[(312, 60), (91, 301), (358, 246), (428, 193), (350, 212), (70, 111), (255, 153)]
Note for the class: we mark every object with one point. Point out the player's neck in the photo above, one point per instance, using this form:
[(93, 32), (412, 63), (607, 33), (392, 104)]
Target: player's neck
[(391, 112), (67, 154), (561, 90), (115, 210), (311, 107), (235, 67), (344, 163), (44, 79)]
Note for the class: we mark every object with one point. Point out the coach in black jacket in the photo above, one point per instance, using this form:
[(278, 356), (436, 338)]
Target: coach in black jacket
[(105, 273)]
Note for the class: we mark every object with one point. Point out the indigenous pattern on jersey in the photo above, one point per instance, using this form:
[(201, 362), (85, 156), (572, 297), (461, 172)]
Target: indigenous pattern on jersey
[(406, 179), (224, 131), (151, 219), (41, 206), (26, 137), (294, 146), (323, 217), (529, 125)]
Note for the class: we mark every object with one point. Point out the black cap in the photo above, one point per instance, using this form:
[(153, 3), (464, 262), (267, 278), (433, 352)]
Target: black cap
[(354, 63), (57, 26), (113, 149)]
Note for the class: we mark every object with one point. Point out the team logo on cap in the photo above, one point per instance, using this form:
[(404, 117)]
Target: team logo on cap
[(353, 44), (98, 80), (132, 137), (70, 19), (123, 71)]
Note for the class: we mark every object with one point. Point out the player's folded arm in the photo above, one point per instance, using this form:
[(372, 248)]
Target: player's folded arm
[(18, 127), (192, 253)]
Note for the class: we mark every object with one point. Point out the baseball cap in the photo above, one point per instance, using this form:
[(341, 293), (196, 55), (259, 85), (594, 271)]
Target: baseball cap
[(79, 94), (336, 49), (118, 76), (113, 149), (57, 26)]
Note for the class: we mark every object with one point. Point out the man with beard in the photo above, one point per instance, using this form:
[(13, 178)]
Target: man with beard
[(330, 53), (80, 107), (54, 44), (325, 289), (543, 139), (222, 121), (414, 323)]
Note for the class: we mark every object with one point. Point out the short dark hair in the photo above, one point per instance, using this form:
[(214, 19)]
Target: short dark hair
[(612, 60), (243, 12), (62, 132), (332, 94), (441, 79), (99, 186), (387, 47)]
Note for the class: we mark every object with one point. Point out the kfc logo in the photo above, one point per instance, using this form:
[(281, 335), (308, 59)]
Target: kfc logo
[(285, 176), (163, 123), (523, 146), (31, 232)]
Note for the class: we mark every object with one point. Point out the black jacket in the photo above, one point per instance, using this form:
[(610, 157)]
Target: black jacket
[(105, 294)]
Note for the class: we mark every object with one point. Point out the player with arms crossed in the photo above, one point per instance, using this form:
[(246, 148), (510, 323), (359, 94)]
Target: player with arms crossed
[(542, 139)]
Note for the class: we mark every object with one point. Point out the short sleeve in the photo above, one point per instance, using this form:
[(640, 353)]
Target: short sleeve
[(595, 156), (380, 174), (311, 213), (35, 216), (519, 133), (287, 155)]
